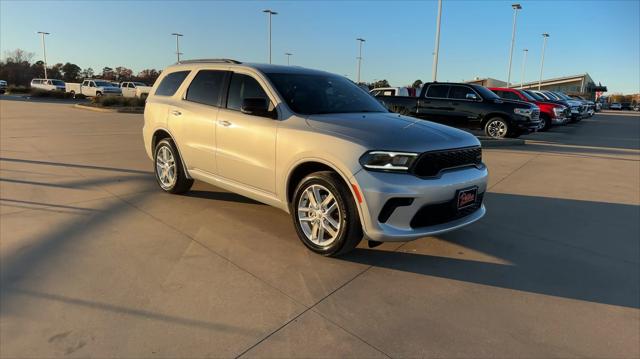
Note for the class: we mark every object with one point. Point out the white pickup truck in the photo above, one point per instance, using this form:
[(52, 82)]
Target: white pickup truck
[(135, 89), (93, 88)]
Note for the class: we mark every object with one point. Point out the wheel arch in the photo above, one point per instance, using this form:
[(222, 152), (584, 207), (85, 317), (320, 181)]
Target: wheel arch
[(162, 133), (491, 115)]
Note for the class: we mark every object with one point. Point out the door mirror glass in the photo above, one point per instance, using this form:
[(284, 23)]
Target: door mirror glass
[(472, 96), (255, 106)]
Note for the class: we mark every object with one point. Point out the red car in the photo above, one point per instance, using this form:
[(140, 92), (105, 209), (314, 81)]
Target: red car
[(550, 113)]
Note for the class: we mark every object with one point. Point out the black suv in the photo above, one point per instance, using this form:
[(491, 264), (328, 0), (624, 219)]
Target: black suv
[(468, 106)]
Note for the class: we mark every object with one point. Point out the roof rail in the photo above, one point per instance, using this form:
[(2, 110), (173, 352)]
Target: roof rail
[(195, 61)]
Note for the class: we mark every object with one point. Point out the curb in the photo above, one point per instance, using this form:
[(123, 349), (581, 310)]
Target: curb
[(490, 142)]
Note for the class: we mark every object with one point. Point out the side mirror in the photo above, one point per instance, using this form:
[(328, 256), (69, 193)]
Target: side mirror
[(256, 107), (471, 96)]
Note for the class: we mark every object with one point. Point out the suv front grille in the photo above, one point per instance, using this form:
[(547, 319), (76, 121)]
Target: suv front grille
[(434, 214), (535, 115), (430, 164)]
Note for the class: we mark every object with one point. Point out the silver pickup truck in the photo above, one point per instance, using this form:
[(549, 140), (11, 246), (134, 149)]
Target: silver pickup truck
[(93, 88)]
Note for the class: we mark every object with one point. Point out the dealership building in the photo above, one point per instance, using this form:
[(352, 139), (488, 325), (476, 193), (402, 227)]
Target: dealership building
[(582, 85)]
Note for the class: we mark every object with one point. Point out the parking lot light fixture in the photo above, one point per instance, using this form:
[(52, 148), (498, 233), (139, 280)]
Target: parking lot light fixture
[(44, 52), (524, 64), (178, 53), (437, 45), (515, 7), (288, 58), (544, 46), (271, 13), (360, 40)]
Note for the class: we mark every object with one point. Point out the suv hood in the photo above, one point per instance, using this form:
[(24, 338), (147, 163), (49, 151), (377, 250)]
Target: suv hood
[(393, 132)]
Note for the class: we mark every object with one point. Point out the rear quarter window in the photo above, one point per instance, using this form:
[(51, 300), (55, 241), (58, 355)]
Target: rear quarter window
[(171, 83)]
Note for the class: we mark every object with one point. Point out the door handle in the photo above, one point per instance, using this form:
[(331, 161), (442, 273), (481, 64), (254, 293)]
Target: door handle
[(224, 123), (176, 113)]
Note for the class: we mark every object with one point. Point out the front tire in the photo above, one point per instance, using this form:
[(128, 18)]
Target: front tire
[(168, 170), (545, 123), (497, 127), (325, 215)]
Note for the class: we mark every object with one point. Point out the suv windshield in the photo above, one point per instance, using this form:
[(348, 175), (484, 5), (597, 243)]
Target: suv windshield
[(534, 95), (527, 95), (320, 94), (486, 93)]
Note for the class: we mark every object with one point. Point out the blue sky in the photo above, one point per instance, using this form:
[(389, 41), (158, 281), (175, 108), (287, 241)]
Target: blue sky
[(598, 37)]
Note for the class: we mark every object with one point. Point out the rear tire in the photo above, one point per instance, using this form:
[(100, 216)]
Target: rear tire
[(98, 94), (325, 215), (168, 168)]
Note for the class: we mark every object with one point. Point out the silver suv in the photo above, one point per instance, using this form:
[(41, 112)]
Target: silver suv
[(315, 145)]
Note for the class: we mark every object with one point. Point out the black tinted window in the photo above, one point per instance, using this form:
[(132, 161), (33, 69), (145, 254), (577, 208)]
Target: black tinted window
[(206, 87), (170, 83), (438, 91), (310, 94), (460, 92), (241, 87), (509, 95)]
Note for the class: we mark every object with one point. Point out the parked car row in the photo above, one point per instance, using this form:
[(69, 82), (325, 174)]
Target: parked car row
[(500, 112), (91, 87), (468, 106)]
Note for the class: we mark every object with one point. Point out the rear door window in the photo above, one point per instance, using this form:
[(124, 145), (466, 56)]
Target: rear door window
[(438, 91), (206, 87), (171, 83)]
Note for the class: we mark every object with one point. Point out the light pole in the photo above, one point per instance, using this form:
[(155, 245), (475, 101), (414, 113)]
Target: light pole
[(437, 47), (288, 57), (178, 53), (360, 40), (515, 7), (270, 12), (544, 46), (524, 63), (44, 52)]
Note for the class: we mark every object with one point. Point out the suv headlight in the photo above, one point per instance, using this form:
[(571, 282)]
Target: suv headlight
[(558, 111), (388, 160), (522, 111)]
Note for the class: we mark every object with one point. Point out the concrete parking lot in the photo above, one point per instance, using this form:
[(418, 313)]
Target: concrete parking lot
[(97, 262)]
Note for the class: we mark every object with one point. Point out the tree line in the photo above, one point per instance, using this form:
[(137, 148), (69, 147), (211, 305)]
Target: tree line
[(17, 69), (384, 83)]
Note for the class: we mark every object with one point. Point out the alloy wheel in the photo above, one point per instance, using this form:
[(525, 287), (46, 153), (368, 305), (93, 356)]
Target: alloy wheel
[(497, 128), (166, 167), (319, 215)]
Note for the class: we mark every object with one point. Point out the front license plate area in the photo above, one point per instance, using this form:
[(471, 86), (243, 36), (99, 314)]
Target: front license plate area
[(466, 197)]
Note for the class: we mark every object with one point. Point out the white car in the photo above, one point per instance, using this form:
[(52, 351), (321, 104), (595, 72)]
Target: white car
[(48, 84), (135, 89), (615, 106), (93, 88)]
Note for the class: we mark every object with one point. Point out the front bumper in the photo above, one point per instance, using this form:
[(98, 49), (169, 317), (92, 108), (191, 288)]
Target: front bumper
[(379, 187), (559, 120)]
